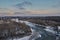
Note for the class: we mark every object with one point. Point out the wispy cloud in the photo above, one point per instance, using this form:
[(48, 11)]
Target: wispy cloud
[(49, 11), (6, 11), (27, 12), (23, 4)]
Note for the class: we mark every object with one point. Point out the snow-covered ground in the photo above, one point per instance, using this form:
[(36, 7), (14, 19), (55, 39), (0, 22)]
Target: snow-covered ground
[(35, 34), (49, 29), (24, 38), (59, 27)]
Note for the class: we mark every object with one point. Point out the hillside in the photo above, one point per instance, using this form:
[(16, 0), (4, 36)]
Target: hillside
[(10, 29)]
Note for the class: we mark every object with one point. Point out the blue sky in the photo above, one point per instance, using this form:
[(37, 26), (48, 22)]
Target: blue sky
[(30, 7)]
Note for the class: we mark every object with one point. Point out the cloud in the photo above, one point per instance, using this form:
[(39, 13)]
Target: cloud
[(23, 4), (6, 11), (50, 11), (28, 12), (18, 13)]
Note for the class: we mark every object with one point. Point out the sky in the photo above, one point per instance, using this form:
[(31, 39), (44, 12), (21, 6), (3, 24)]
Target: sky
[(30, 7)]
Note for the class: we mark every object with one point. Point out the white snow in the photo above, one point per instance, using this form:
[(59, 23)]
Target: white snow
[(24, 38), (35, 34), (49, 30), (58, 27)]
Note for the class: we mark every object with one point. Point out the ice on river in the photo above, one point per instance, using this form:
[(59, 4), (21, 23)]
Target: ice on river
[(35, 34)]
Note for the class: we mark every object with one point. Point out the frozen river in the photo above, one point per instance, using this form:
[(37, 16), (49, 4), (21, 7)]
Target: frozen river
[(38, 33)]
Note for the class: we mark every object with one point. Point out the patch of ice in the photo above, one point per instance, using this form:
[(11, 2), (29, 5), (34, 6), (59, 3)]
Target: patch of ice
[(58, 27), (49, 30)]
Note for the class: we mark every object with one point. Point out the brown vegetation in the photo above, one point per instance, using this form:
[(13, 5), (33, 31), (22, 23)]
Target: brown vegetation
[(13, 29)]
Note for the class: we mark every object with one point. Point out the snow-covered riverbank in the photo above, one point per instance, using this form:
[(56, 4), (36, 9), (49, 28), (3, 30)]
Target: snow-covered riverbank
[(36, 32)]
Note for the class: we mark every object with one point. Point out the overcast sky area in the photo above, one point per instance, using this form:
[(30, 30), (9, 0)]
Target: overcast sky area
[(30, 7)]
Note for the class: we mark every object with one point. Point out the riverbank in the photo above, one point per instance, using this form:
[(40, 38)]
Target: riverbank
[(13, 29)]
